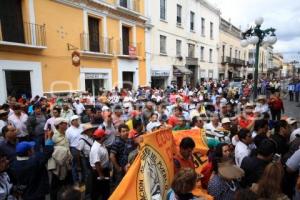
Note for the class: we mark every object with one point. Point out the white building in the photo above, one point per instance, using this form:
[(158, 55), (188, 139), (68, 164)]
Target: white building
[(181, 42)]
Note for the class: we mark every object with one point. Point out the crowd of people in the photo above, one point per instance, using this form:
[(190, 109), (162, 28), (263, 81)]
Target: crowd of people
[(50, 143)]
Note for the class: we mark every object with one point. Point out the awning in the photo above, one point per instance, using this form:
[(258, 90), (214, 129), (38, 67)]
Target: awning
[(180, 70)]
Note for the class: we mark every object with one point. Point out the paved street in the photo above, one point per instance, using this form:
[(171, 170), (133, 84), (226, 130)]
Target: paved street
[(291, 108)]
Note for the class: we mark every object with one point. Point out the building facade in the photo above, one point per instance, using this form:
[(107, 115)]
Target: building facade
[(265, 61), (277, 66), (233, 59), (181, 42), (60, 46)]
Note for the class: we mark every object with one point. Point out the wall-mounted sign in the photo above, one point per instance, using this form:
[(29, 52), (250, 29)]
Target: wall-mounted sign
[(132, 51), (75, 58), (96, 76), (160, 73)]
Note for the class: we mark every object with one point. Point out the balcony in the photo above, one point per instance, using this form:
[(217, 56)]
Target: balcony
[(94, 45), (234, 61), (127, 49), (23, 34), (131, 7), (223, 60)]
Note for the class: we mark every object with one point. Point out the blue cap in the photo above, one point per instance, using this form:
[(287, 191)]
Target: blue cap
[(23, 147)]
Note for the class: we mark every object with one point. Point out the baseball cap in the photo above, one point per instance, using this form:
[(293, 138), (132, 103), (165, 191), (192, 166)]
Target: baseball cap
[(59, 120), (225, 120), (99, 133), (22, 147), (74, 117), (153, 125)]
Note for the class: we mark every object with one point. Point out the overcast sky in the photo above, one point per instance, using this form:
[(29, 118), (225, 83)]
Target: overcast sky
[(283, 15)]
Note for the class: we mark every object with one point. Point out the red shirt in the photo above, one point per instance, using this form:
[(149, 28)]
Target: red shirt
[(181, 163), (173, 120), (244, 122)]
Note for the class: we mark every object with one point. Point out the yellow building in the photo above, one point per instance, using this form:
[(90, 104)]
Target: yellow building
[(39, 41)]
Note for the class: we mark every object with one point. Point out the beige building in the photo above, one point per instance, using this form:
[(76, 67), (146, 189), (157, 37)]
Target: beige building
[(233, 59), (277, 66)]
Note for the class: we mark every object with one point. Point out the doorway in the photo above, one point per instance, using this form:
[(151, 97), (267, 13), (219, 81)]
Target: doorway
[(128, 80), (18, 83), (93, 86)]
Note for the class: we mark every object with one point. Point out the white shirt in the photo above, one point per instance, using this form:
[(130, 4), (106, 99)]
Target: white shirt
[(241, 151), (98, 154), (211, 127), (295, 134), (78, 107), (261, 108), (20, 124), (73, 135), (85, 144), (51, 122)]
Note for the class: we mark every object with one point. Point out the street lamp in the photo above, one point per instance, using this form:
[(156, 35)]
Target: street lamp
[(257, 36)]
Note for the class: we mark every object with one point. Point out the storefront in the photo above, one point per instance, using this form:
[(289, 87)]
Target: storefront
[(19, 78), (94, 79), (159, 78), (181, 76)]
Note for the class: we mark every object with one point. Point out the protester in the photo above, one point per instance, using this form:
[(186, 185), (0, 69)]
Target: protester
[(28, 171), (99, 161), (223, 185), (182, 185), (35, 126), (270, 189), (242, 148), (6, 186), (281, 137), (276, 106), (8, 145), (56, 111), (19, 119), (73, 136), (184, 159), (255, 165), (78, 106)]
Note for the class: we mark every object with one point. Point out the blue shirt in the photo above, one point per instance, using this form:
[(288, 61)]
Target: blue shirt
[(297, 88)]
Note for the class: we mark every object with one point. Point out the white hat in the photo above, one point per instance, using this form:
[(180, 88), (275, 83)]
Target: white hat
[(225, 120), (105, 108), (291, 120), (74, 117), (153, 125), (59, 120), (261, 97), (295, 134), (77, 98), (249, 104)]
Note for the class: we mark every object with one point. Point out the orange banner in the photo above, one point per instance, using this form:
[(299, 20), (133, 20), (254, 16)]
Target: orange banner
[(151, 174)]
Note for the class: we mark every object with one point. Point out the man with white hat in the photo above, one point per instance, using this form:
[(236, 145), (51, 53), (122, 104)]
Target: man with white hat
[(261, 105), (73, 136), (78, 106), (66, 112)]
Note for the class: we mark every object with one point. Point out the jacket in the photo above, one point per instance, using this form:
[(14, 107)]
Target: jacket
[(30, 175)]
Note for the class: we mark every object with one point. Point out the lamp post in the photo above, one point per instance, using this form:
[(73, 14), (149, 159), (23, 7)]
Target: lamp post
[(257, 36)]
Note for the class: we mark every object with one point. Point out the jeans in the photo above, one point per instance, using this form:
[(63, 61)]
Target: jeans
[(276, 114), (75, 165), (291, 93), (86, 174)]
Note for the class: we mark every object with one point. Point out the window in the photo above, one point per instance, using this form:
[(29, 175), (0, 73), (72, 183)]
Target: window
[(192, 21), (125, 40), (223, 53), (163, 44), (191, 49), (178, 47), (179, 8), (202, 26), (163, 9), (202, 53), (235, 54), (93, 36), (230, 52), (124, 3), (210, 55), (211, 30)]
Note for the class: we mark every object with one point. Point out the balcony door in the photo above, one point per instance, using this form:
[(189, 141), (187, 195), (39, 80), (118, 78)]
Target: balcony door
[(12, 21), (94, 39), (125, 40), (124, 3), (18, 83)]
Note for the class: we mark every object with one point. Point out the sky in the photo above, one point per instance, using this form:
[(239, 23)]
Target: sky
[(283, 15)]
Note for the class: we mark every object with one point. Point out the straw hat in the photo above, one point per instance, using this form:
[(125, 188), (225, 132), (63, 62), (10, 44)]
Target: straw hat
[(230, 171)]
